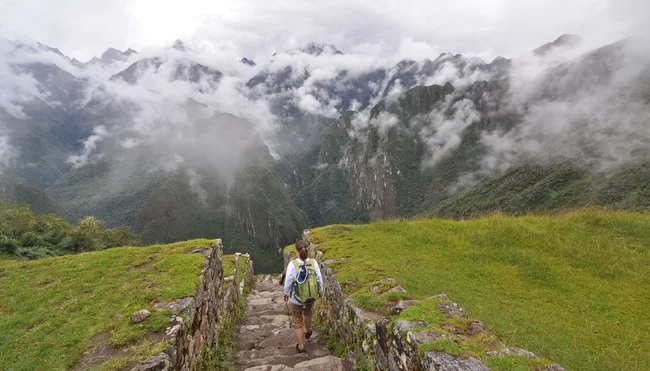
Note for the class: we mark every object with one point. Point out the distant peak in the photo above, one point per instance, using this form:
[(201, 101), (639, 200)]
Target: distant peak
[(112, 55), (318, 49), (130, 52), (248, 62), (566, 41), (179, 45), (49, 49)]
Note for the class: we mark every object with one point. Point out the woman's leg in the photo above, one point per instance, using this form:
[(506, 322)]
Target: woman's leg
[(307, 317), (296, 313)]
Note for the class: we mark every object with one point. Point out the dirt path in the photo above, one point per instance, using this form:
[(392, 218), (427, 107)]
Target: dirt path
[(266, 342)]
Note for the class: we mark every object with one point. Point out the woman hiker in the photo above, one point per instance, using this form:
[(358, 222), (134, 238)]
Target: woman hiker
[(303, 284)]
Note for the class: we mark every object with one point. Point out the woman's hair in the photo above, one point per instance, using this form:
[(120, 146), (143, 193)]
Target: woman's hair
[(302, 249)]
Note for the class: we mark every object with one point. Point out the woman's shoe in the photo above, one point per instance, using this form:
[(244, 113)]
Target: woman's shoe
[(299, 350), (308, 334)]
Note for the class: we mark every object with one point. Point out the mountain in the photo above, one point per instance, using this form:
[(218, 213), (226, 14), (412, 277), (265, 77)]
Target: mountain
[(318, 49), (110, 56), (44, 132), (225, 186), (248, 62), (564, 41), (462, 151), (178, 70), (39, 202)]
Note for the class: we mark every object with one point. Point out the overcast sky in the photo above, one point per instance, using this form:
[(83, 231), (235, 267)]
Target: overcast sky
[(257, 28)]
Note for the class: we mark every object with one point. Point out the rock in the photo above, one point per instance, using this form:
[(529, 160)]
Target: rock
[(401, 327), (329, 363), (329, 262), (229, 278), (415, 339), (511, 352), (476, 327), (182, 305), (387, 280), (375, 289), (403, 304), (398, 288), (451, 310), (553, 367), (439, 297), (159, 362), (438, 361), (140, 316)]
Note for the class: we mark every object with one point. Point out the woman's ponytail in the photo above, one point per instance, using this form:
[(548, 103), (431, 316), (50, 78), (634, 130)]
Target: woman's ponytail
[(302, 249)]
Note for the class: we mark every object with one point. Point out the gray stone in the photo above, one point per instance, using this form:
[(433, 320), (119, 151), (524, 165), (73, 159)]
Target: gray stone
[(415, 339), (439, 297), (553, 367), (140, 316), (329, 363), (387, 280), (182, 305), (374, 289), (451, 310), (438, 361), (380, 357), (398, 288), (402, 305), (159, 362), (329, 262), (511, 352), (400, 327)]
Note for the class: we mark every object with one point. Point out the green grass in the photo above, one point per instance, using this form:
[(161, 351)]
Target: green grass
[(51, 308), (574, 287), (229, 266)]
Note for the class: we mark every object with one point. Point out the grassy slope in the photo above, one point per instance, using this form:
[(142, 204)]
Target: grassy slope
[(51, 308), (574, 288)]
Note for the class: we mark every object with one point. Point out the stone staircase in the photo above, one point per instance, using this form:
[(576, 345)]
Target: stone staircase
[(265, 340)]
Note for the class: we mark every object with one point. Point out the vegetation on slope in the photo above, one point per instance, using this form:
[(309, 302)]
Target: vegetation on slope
[(573, 287), (529, 187), (40, 203), (26, 235), (50, 309)]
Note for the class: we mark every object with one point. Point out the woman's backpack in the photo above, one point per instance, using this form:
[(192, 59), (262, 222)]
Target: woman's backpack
[(305, 285)]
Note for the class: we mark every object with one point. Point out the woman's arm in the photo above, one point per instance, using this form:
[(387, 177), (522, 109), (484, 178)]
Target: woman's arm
[(319, 277), (288, 279)]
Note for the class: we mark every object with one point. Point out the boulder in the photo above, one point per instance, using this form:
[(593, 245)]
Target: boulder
[(159, 362), (398, 288), (439, 361), (140, 316), (451, 310)]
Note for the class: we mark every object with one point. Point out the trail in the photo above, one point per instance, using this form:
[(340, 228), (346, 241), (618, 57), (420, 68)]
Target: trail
[(265, 340)]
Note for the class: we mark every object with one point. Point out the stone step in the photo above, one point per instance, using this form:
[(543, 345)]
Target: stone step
[(265, 340), (328, 363)]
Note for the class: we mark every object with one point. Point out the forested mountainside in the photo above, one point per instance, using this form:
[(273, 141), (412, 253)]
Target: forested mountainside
[(491, 145)]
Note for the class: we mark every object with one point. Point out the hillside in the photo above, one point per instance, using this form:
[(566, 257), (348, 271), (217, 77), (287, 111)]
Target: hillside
[(39, 202), (571, 136), (572, 288), (222, 183), (55, 311)]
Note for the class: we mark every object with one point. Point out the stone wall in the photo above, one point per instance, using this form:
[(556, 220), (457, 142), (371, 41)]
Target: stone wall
[(204, 318), (381, 344)]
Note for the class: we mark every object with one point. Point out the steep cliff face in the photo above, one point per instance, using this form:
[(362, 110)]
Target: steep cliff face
[(375, 167), (570, 136)]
